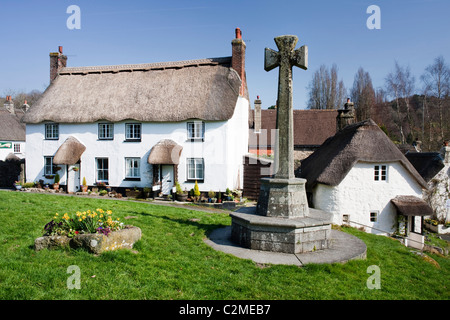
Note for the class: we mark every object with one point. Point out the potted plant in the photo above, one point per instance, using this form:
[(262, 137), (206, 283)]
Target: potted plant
[(196, 192), (17, 185), (84, 186), (211, 195), (181, 195), (56, 183)]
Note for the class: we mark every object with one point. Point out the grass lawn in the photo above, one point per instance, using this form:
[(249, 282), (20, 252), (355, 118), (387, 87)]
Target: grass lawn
[(172, 262)]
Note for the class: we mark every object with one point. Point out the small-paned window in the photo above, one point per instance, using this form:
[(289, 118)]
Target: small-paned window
[(133, 132), (132, 168), (102, 167), (195, 169), (196, 130), (51, 131), (105, 131), (380, 173)]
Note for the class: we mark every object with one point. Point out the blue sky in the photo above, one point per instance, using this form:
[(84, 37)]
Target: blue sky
[(112, 32)]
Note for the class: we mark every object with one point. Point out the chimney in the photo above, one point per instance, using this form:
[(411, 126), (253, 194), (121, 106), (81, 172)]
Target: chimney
[(9, 104), (257, 115), (345, 116), (57, 62), (25, 106), (238, 59)]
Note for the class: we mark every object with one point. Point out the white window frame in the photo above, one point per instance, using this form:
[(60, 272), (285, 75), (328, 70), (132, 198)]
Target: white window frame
[(51, 131), (105, 131), (380, 172), (196, 130), (132, 168), (48, 167), (101, 169), (132, 133), (16, 147), (198, 165)]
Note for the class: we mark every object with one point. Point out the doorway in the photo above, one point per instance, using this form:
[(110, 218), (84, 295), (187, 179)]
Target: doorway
[(167, 178), (73, 178)]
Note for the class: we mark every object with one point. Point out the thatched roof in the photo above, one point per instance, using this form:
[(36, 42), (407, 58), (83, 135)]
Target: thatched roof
[(412, 206), (165, 152), (428, 164), (69, 152), (11, 129), (204, 89), (311, 127), (361, 142)]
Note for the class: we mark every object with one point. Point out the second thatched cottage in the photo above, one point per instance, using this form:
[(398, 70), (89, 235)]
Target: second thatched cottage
[(142, 125), (361, 177)]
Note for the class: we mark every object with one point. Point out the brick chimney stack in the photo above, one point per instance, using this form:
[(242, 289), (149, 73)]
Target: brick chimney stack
[(57, 62), (345, 116), (238, 59), (9, 104)]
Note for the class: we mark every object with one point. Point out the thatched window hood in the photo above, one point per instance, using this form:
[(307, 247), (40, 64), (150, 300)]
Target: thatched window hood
[(412, 206), (69, 152), (205, 89), (165, 152), (363, 141)]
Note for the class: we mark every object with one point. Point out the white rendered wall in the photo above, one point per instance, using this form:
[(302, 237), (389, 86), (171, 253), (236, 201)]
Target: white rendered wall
[(358, 194), (223, 148), (4, 152)]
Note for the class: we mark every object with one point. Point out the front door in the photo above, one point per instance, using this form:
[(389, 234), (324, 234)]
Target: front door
[(73, 178), (167, 178)]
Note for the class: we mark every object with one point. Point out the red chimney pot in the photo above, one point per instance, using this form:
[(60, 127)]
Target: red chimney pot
[(238, 33), (60, 49)]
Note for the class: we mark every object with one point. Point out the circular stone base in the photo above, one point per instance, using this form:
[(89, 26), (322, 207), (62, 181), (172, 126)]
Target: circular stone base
[(342, 248)]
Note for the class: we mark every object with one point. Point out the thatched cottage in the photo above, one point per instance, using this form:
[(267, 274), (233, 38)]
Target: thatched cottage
[(434, 167), (143, 125), (361, 177), (12, 130)]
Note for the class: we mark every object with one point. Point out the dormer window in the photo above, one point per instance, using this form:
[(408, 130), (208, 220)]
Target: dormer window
[(196, 130)]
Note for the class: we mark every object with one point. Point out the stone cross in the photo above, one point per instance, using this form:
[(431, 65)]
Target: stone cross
[(285, 58)]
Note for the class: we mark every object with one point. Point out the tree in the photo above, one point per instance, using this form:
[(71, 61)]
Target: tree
[(362, 94), (400, 85), (325, 90), (436, 80)]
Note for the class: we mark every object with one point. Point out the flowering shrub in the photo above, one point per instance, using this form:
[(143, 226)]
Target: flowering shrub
[(96, 221)]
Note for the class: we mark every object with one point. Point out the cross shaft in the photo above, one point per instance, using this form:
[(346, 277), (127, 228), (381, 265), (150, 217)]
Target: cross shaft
[(285, 59)]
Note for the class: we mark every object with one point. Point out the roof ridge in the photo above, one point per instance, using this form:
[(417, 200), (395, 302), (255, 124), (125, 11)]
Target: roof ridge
[(146, 66)]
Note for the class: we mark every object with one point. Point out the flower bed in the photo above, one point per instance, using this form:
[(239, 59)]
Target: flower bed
[(96, 231)]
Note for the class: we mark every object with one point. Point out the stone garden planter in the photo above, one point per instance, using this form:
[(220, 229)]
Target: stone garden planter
[(440, 228), (93, 242)]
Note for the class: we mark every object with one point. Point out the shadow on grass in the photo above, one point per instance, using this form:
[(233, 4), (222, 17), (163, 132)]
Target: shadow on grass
[(193, 222)]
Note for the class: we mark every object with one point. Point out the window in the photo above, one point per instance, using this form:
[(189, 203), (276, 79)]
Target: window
[(16, 147), (48, 166), (105, 131), (51, 131), (133, 132), (196, 130), (380, 173), (195, 169), (132, 168), (102, 169), (373, 216)]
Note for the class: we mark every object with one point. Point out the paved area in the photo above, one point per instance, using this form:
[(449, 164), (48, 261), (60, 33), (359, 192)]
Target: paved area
[(344, 247)]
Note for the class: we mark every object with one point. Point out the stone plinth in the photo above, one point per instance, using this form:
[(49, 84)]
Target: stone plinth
[(93, 242), (285, 198), (278, 234)]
